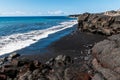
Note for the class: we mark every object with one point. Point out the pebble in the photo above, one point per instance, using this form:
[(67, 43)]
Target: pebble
[(86, 58)]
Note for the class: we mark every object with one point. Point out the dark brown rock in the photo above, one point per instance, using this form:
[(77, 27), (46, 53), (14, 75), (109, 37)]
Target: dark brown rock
[(58, 68), (3, 76), (99, 23), (107, 57), (98, 76), (13, 56)]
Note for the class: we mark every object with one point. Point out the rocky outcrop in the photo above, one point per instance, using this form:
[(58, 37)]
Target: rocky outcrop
[(106, 54), (112, 13), (107, 58), (58, 68), (74, 16), (99, 23)]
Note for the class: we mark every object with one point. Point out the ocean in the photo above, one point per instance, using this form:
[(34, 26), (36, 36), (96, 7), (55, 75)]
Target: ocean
[(28, 35)]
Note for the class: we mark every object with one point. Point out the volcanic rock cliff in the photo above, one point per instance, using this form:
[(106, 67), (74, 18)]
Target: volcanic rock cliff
[(99, 23), (106, 60), (106, 53)]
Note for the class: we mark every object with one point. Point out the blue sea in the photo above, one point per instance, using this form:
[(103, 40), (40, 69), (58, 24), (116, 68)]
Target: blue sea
[(28, 35)]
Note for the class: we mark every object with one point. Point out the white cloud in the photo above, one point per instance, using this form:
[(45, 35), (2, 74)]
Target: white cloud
[(58, 12), (19, 12), (23, 13), (12, 13), (39, 13)]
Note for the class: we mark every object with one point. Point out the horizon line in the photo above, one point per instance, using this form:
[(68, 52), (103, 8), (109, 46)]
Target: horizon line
[(34, 16)]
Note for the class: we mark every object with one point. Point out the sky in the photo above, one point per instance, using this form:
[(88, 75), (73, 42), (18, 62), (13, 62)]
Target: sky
[(55, 7)]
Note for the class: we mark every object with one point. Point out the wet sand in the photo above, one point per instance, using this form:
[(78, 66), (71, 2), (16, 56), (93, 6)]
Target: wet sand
[(75, 44)]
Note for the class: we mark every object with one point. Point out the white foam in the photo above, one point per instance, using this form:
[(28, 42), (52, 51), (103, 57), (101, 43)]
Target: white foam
[(15, 42)]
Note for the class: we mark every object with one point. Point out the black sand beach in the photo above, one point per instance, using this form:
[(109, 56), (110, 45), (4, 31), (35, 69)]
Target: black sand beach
[(85, 54), (91, 48), (72, 45)]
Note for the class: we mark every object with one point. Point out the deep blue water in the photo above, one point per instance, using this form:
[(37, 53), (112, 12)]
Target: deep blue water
[(29, 34), (12, 25)]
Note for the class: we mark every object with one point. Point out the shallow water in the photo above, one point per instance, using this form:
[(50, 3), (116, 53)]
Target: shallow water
[(21, 33)]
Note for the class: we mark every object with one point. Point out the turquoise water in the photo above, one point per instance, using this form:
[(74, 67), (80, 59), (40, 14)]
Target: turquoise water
[(12, 25), (21, 33)]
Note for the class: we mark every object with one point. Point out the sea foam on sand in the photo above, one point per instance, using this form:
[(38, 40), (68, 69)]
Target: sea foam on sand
[(18, 41)]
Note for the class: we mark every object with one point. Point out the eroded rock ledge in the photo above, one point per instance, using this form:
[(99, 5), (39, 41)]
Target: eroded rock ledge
[(107, 58), (99, 23)]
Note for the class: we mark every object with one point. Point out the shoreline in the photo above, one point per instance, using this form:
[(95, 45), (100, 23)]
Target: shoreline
[(71, 45), (21, 43), (85, 54)]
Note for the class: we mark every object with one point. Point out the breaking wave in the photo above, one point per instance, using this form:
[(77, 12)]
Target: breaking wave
[(18, 41)]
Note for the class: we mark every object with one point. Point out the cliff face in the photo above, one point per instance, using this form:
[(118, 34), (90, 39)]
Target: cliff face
[(106, 53), (99, 23), (107, 58)]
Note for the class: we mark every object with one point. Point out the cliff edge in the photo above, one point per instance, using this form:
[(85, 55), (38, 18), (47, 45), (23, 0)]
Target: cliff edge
[(99, 23)]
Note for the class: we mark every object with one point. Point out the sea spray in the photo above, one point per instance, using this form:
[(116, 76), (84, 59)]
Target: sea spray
[(18, 41)]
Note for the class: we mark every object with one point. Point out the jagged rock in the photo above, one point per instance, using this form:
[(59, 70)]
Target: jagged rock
[(86, 58), (69, 74), (99, 23), (63, 59), (24, 76), (12, 73), (3, 60), (43, 78), (50, 62), (36, 72), (112, 13), (106, 72), (58, 68), (107, 31), (107, 52), (52, 77), (13, 55), (15, 62), (98, 76), (3, 76), (82, 76)]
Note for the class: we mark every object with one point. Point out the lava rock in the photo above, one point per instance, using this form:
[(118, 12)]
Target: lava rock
[(99, 23), (13, 56), (98, 76)]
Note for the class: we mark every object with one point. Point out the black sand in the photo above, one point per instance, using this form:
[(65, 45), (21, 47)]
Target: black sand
[(71, 45)]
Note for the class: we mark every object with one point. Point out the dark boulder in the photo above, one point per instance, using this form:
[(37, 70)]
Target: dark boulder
[(107, 57), (13, 55)]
